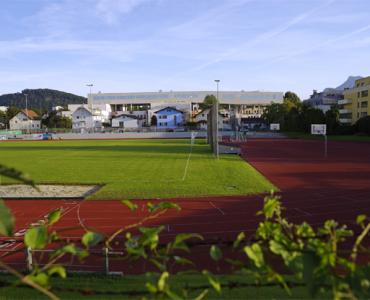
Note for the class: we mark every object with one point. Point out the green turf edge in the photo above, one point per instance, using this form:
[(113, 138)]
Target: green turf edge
[(95, 286)]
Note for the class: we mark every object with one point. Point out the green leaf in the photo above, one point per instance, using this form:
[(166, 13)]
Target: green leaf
[(151, 287), (361, 219), (162, 281), (54, 216), (255, 253), (202, 295), (150, 236), (239, 238), (40, 278), (182, 260), (15, 174), (71, 249), (6, 220), (271, 207), (91, 238), (162, 205), (36, 237), (58, 269), (215, 252), (213, 281), (132, 206), (178, 243)]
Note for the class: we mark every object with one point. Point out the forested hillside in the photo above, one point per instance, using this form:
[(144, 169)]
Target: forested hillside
[(40, 99)]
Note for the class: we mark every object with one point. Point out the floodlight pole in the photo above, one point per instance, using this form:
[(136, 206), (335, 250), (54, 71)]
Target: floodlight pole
[(216, 106), (28, 120), (90, 85)]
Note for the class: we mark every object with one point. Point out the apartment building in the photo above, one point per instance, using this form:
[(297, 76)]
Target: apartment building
[(355, 104)]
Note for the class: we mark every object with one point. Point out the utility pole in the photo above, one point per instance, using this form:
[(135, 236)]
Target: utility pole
[(216, 106), (28, 119)]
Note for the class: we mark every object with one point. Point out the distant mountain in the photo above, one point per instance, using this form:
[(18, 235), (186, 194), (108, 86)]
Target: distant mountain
[(40, 99), (349, 83)]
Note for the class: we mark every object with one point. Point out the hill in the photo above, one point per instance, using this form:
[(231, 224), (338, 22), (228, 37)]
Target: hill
[(349, 83), (40, 99)]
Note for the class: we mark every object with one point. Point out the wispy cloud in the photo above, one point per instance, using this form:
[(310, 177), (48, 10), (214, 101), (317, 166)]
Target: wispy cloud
[(262, 37), (110, 11), (324, 44)]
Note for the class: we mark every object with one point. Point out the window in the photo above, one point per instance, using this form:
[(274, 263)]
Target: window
[(358, 94), (365, 93), (363, 114), (77, 117), (363, 104)]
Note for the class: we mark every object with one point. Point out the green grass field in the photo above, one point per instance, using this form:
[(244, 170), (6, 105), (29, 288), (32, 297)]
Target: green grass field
[(134, 169), (132, 287)]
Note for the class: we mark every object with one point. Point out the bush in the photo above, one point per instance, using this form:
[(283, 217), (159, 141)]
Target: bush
[(344, 130), (363, 125)]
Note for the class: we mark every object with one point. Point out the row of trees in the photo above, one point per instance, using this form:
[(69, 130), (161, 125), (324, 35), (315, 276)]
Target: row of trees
[(293, 115)]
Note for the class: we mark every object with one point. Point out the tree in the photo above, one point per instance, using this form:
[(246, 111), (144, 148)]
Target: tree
[(56, 121), (291, 100), (275, 113), (310, 115), (153, 121), (363, 125), (208, 101), (332, 120), (11, 112)]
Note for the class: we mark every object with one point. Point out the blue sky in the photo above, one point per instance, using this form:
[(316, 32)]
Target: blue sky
[(147, 45)]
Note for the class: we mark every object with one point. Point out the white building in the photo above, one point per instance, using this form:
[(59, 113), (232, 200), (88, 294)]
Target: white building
[(241, 102), (3, 108), (125, 121), (224, 122), (84, 120), (25, 120), (103, 110)]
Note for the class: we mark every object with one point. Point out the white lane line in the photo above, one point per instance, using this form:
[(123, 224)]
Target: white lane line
[(187, 163), (79, 218), (302, 211), (219, 209), (168, 227)]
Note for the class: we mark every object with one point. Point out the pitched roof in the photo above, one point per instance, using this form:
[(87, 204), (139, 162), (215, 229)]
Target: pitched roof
[(169, 107), (30, 113)]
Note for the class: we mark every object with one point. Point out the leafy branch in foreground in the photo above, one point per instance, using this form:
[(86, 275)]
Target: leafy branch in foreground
[(317, 257)]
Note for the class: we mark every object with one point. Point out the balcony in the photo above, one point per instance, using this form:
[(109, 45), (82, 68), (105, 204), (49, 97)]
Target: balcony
[(344, 101), (345, 121), (344, 111)]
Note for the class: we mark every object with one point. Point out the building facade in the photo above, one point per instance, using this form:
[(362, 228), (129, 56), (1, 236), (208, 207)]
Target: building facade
[(326, 99), (84, 120), (25, 120), (125, 121), (169, 118), (355, 104), (239, 104)]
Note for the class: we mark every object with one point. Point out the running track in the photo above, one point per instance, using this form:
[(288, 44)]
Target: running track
[(313, 189)]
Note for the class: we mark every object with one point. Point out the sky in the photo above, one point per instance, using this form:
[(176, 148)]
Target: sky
[(183, 45)]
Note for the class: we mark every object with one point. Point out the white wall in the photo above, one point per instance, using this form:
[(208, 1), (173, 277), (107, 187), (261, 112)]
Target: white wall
[(20, 122)]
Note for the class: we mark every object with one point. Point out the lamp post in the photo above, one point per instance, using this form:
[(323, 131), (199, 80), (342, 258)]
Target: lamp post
[(28, 119), (216, 106), (90, 85)]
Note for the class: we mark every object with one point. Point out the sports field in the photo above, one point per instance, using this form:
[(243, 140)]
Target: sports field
[(135, 169)]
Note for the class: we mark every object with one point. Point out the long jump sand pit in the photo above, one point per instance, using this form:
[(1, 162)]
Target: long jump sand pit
[(47, 191)]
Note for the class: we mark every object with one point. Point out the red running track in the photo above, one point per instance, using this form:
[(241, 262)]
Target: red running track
[(313, 189)]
